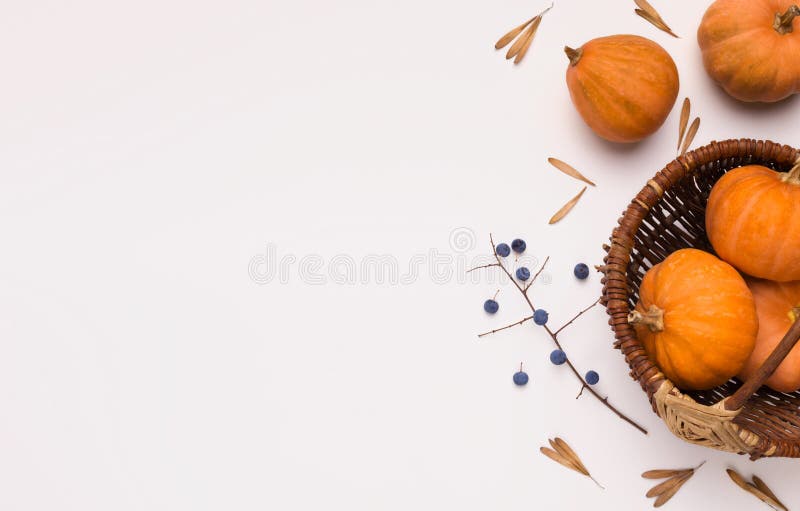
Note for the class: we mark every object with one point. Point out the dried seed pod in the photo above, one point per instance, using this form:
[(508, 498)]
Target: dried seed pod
[(566, 208), (569, 170)]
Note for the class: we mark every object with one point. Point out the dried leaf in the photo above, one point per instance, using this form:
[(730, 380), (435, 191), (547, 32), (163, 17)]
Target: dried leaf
[(761, 485), (558, 458), (567, 452), (669, 493), (690, 135), (519, 43), (667, 485), (753, 490), (569, 170), (685, 112), (528, 40), (563, 454), (503, 41), (566, 208), (649, 13), (663, 474)]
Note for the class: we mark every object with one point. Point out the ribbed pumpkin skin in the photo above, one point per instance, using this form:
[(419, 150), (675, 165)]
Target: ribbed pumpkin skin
[(774, 302), (710, 321), (744, 53), (753, 223), (624, 86)]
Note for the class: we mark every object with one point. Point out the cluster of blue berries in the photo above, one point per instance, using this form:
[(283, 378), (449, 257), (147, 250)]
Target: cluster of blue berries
[(540, 316)]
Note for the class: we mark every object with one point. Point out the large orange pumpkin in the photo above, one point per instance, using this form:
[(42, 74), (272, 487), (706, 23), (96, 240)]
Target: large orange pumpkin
[(624, 86), (753, 221), (777, 305), (696, 319), (751, 48)]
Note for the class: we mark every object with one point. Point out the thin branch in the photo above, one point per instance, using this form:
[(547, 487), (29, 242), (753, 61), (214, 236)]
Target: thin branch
[(484, 266), (581, 392), (553, 336), (537, 273), (581, 313), (523, 320)]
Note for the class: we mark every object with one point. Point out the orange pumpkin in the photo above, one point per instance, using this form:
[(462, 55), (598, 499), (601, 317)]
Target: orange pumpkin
[(753, 221), (696, 319), (750, 48), (777, 305), (624, 86)]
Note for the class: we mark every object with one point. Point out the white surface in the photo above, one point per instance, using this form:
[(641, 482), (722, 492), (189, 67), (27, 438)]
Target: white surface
[(150, 152)]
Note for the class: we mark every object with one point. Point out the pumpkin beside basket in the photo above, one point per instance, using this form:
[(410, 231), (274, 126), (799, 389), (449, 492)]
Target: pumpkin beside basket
[(668, 215)]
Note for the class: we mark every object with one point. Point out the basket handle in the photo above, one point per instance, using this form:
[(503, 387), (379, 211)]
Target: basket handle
[(740, 397)]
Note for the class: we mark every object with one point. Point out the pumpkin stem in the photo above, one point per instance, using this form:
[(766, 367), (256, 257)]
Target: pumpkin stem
[(793, 176), (783, 22), (574, 55), (652, 319)]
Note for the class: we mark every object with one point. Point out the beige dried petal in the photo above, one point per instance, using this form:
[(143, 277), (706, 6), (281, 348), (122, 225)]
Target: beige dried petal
[(558, 458), (690, 134), (566, 208), (685, 112), (649, 13), (761, 485), (511, 35), (664, 497), (567, 452), (531, 33), (662, 474), (751, 489), (522, 40), (569, 170), (676, 480)]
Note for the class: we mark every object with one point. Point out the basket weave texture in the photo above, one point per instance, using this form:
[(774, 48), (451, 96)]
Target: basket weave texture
[(668, 215)]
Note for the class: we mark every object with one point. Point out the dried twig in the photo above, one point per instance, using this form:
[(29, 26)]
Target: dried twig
[(563, 454), (675, 479), (523, 37), (554, 337), (569, 170), (690, 135), (768, 497), (566, 208), (685, 112), (649, 13), (521, 321)]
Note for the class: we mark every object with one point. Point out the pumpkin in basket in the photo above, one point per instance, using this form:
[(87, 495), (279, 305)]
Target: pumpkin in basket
[(753, 221), (696, 319), (778, 306), (624, 86), (750, 48)]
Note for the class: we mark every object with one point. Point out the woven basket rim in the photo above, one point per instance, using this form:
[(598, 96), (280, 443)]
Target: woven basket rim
[(616, 291)]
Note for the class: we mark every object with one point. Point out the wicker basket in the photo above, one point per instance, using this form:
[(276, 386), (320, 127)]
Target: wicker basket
[(667, 215)]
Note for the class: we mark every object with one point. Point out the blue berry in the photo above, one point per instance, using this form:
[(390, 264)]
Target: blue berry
[(518, 246), (490, 306), (523, 273), (502, 250), (540, 317), (520, 378), (558, 357), (581, 271), (592, 377)]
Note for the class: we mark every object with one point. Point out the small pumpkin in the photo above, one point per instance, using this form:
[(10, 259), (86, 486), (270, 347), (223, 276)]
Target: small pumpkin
[(624, 86), (696, 319), (750, 48), (753, 221), (777, 306)]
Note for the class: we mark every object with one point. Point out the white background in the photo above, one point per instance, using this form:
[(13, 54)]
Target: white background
[(150, 151)]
